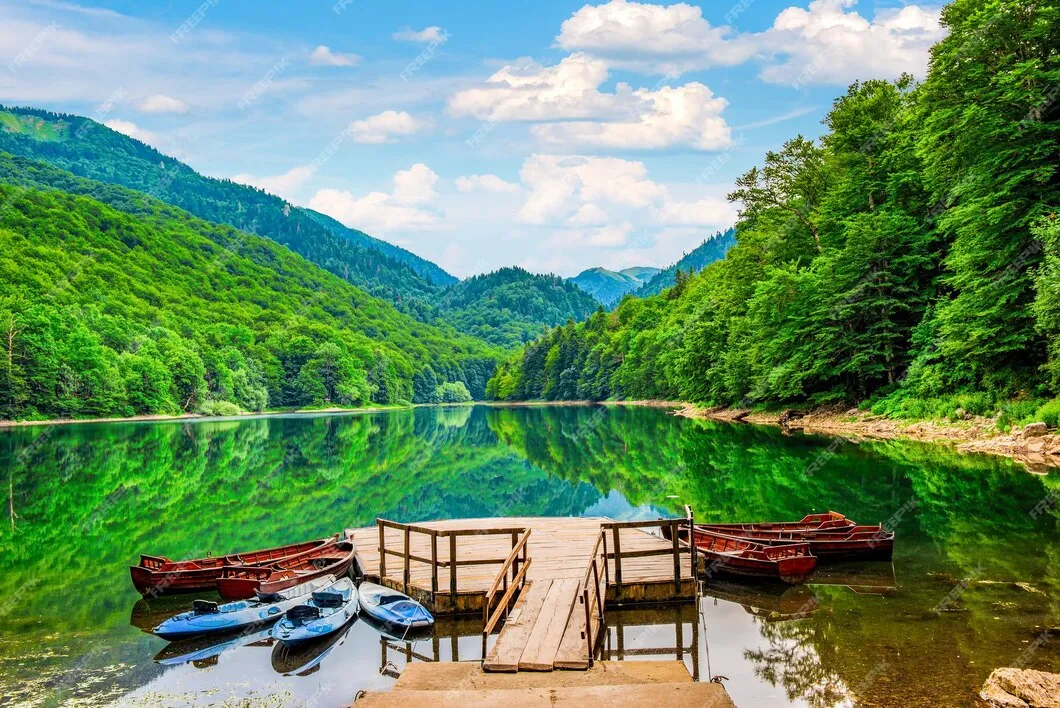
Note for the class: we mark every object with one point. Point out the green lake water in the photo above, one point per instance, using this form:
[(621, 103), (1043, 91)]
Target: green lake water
[(974, 584)]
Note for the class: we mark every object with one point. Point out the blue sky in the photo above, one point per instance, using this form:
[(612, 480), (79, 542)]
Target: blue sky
[(553, 135)]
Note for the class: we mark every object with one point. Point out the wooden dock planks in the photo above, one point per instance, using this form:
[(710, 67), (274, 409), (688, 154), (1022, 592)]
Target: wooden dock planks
[(508, 650), (543, 643)]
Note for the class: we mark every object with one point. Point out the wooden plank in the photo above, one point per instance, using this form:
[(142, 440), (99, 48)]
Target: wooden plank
[(657, 695), (468, 676), (512, 640), (545, 638)]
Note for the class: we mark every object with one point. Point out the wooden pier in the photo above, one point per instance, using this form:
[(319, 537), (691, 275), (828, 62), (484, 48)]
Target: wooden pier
[(545, 583)]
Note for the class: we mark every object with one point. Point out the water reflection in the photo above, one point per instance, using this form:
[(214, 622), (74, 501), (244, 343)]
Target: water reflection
[(95, 496)]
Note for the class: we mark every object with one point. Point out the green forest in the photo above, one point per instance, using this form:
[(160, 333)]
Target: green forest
[(908, 260), (116, 304)]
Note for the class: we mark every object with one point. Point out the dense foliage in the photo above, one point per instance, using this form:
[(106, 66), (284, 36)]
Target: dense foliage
[(897, 259), (88, 149), (712, 249), (609, 286), (147, 309), (511, 306)]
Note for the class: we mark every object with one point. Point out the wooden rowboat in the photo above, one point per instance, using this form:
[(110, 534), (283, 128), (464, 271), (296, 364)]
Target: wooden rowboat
[(731, 556), (856, 543), (158, 575), (832, 522), (239, 582)]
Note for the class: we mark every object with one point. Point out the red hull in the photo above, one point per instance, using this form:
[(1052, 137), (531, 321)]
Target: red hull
[(860, 543), (832, 522), (158, 575), (731, 556), (242, 582)]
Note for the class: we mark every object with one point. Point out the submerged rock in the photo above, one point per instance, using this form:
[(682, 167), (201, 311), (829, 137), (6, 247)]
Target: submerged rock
[(1021, 688)]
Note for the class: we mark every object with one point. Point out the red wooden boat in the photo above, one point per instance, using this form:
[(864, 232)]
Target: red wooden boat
[(832, 522), (158, 575), (855, 543), (729, 555), (239, 582)]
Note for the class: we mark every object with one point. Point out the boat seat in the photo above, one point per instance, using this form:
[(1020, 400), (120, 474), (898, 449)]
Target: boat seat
[(328, 599), (204, 607), (303, 613)]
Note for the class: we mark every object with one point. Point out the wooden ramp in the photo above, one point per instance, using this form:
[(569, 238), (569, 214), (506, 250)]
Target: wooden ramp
[(557, 572), (660, 684)]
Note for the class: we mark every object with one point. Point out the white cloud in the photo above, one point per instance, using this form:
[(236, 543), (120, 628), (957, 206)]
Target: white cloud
[(323, 56), (559, 185), (132, 130), (409, 207), (828, 42), (163, 104), (652, 38), (588, 215), (486, 183), (608, 236), (427, 34), (708, 211), (384, 127), (281, 185), (688, 115)]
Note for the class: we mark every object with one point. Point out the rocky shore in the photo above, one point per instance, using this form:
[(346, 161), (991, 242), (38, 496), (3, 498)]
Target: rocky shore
[(1034, 445)]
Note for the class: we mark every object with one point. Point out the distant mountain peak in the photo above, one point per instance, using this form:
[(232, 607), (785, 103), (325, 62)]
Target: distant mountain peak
[(609, 286)]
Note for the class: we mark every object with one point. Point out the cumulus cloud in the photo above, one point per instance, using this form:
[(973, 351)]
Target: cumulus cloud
[(827, 42), (576, 113), (427, 34), (708, 211), (281, 185), (485, 183), (385, 127), (163, 104), (133, 131), (661, 39), (408, 207), (324, 56)]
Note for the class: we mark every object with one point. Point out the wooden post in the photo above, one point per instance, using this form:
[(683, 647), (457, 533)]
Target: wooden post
[(596, 580), (406, 577), (452, 574), (434, 567), (618, 563), (515, 563), (675, 533), (692, 541), (382, 552), (607, 574), (588, 625)]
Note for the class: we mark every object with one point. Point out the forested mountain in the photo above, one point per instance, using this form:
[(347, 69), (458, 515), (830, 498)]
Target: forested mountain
[(712, 249), (142, 308), (511, 306), (911, 257), (88, 149), (610, 286)]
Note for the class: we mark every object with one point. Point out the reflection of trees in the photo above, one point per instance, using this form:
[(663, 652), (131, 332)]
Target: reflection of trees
[(792, 661)]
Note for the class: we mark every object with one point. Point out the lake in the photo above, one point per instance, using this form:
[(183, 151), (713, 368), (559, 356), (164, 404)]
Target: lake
[(974, 584)]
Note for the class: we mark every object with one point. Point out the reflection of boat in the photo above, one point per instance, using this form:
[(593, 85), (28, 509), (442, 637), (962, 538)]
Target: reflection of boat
[(158, 575), (325, 612), (203, 651), (306, 657), (239, 582), (873, 578), (148, 613), (729, 555), (772, 602), (832, 521), (393, 608), (209, 617)]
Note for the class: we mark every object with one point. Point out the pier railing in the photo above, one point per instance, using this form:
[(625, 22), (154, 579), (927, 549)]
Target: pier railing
[(675, 526), (452, 563), (516, 565), (593, 591)]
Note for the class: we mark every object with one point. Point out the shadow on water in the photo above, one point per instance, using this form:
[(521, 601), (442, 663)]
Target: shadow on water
[(975, 581)]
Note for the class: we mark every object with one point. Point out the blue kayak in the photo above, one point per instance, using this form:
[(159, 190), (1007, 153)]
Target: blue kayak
[(209, 617), (393, 609), (326, 612)]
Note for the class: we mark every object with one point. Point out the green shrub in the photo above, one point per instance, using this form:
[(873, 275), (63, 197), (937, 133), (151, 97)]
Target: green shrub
[(1017, 412), (1049, 413), (220, 408)]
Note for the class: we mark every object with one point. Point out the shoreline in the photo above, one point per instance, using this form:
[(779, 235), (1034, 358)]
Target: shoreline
[(163, 418), (1033, 445)]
